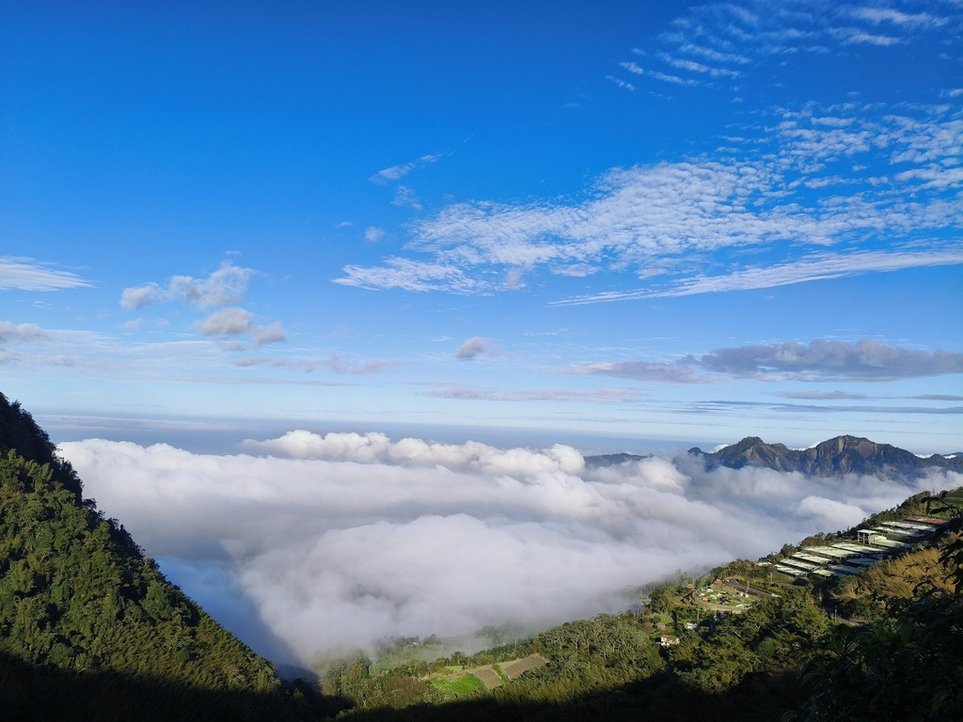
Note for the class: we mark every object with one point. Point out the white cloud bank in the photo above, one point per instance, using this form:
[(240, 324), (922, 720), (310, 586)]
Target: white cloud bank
[(334, 542)]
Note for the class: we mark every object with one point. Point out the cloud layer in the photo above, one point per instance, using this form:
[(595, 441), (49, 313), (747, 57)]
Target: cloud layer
[(333, 542)]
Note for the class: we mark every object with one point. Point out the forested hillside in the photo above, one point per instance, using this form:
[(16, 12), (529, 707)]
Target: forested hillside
[(86, 618)]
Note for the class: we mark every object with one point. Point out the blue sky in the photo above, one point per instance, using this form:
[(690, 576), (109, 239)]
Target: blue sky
[(656, 220)]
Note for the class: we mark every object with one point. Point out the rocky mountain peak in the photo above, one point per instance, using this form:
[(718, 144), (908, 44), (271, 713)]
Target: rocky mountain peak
[(840, 455)]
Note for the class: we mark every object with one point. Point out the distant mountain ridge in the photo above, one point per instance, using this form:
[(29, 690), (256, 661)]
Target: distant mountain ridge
[(833, 457)]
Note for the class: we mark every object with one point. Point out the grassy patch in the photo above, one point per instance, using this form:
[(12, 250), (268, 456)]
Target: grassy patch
[(954, 498), (459, 687)]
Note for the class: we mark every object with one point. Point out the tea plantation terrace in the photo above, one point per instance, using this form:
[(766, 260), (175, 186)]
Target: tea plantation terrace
[(872, 544)]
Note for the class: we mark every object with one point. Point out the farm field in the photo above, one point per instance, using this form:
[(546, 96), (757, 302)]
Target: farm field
[(458, 682)]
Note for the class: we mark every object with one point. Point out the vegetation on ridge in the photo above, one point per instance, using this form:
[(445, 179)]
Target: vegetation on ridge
[(77, 595)]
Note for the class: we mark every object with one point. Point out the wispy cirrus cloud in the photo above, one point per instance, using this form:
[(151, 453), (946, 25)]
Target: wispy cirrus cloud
[(855, 36), (395, 173), (722, 405), (647, 371), (824, 395), (26, 274), (624, 84), (609, 395), (815, 267), (412, 275), (335, 363), (694, 66), (406, 198), (887, 15), (651, 220), (723, 41), (343, 365)]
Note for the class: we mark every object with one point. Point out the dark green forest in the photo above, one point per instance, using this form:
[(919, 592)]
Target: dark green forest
[(89, 627), (91, 630)]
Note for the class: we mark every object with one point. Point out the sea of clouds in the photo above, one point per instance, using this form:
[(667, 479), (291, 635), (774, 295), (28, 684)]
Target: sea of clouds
[(308, 545)]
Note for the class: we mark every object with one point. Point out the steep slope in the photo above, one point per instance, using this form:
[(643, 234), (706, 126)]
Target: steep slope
[(77, 594), (19, 432), (836, 456), (74, 594)]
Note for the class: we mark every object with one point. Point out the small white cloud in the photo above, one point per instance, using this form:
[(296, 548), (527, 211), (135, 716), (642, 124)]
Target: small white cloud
[(21, 332), (272, 333), (226, 285), (373, 234), (227, 322), (140, 296), (474, 347)]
